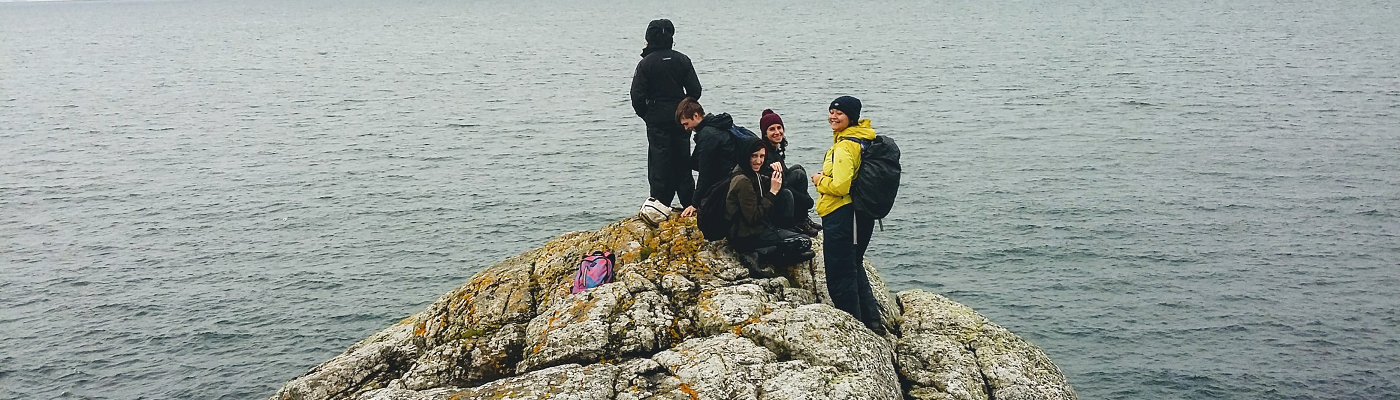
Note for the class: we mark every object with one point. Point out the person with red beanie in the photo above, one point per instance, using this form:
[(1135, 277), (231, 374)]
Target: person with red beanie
[(771, 128)]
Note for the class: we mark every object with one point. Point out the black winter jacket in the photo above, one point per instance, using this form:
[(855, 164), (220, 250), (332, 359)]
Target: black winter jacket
[(713, 157), (776, 154), (663, 78)]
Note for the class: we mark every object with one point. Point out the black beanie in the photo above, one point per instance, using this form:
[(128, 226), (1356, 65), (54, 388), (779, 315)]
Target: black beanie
[(660, 32), (850, 106)]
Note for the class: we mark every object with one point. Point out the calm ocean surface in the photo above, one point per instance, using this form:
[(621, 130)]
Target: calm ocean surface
[(1175, 199)]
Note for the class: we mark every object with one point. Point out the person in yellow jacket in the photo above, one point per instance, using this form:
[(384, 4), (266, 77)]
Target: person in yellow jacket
[(846, 232)]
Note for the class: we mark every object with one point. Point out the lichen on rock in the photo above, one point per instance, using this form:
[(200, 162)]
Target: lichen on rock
[(685, 320)]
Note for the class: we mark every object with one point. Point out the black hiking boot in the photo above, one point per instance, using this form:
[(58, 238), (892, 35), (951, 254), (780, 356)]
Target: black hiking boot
[(809, 227), (878, 328)]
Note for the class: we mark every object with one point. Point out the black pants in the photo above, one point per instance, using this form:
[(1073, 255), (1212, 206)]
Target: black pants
[(795, 180), (798, 201), (781, 215), (668, 163), (847, 235)]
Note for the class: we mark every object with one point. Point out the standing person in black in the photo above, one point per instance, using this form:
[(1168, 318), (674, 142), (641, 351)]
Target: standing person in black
[(663, 78), (714, 148)]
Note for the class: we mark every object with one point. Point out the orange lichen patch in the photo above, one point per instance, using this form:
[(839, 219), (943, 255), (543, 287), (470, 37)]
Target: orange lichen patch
[(580, 309), (739, 327), (675, 332), (675, 240), (685, 388)]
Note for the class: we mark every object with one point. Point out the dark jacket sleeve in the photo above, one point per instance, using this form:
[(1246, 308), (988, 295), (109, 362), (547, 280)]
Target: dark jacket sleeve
[(768, 160), (700, 160), (639, 90), (709, 159), (701, 142), (690, 81)]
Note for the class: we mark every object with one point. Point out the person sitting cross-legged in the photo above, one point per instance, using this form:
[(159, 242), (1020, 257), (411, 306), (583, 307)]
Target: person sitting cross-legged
[(756, 210)]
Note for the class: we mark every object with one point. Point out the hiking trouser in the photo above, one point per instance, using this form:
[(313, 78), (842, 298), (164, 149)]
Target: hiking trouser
[(781, 214), (668, 163), (796, 180), (846, 237)]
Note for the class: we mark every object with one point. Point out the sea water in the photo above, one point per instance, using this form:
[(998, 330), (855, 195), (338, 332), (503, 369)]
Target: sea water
[(1175, 199)]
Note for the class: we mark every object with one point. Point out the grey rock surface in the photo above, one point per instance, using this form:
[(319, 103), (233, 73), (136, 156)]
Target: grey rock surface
[(685, 320), (948, 351)]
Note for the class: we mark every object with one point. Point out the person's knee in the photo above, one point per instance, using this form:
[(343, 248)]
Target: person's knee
[(796, 170)]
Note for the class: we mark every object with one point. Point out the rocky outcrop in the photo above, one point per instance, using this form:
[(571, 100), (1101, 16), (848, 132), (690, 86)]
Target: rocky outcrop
[(685, 320)]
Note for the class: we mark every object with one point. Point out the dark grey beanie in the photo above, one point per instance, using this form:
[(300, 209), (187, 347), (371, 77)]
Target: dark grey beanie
[(849, 105), (660, 33)]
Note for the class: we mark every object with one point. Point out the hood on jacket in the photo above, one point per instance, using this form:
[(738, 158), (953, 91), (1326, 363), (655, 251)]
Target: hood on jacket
[(743, 149), (722, 121), (660, 36), (861, 130)]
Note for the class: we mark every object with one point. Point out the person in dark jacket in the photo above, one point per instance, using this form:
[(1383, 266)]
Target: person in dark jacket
[(714, 147), (757, 205), (663, 78), (794, 177)]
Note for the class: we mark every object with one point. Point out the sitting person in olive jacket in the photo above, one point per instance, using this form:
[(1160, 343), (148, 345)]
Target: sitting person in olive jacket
[(756, 210)]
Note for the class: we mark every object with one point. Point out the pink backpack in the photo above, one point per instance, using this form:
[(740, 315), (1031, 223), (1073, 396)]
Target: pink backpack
[(595, 270)]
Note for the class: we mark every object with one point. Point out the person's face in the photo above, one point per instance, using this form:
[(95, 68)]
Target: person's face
[(837, 119), (756, 159), (691, 122), (774, 133)]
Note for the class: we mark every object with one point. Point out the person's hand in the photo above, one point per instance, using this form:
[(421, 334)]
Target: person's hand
[(817, 177), (777, 182), (777, 166), (689, 211)]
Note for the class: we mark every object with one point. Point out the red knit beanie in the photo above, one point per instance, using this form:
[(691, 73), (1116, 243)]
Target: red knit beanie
[(768, 119)]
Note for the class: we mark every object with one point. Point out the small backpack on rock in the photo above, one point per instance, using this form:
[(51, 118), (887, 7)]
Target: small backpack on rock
[(654, 211), (595, 270)]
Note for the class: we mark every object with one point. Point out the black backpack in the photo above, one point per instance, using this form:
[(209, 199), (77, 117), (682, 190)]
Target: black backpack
[(710, 214), (877, 178)]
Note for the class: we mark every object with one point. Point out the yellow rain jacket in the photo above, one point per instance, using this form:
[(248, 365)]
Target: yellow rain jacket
[(839, 167)]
